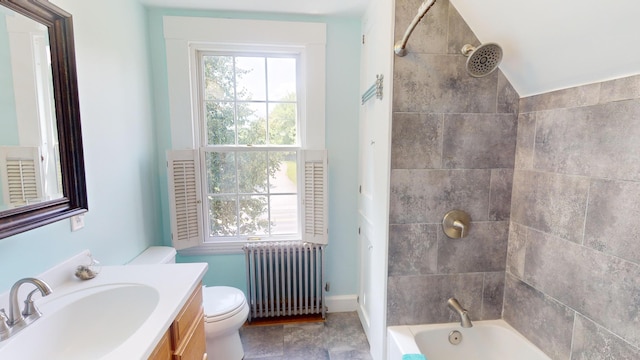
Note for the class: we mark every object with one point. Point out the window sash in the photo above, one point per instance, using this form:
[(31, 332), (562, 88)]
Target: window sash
[(237, 195), (202, 101)]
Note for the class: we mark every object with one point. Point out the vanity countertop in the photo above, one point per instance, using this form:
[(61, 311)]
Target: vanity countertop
[(173, 282)]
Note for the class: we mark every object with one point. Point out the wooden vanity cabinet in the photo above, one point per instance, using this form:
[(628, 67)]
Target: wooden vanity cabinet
[(163, 350), (185, 339)]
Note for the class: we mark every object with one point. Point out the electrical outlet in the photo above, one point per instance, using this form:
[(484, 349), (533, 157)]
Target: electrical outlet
[(77, 222)]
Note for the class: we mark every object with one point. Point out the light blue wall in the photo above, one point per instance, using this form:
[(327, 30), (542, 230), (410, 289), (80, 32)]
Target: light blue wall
[(119, 144), (342, 102), (8, 119)]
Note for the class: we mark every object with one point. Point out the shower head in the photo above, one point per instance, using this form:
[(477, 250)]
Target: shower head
[(482, 60)]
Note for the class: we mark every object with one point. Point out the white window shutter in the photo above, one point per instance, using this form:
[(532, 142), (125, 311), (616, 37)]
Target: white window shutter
[(185, 200), (315, 197), (21, 174)]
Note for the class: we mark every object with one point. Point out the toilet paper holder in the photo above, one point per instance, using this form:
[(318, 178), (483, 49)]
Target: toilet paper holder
[(456, 224)]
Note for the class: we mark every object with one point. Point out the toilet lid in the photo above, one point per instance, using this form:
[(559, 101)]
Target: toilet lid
[(221, 302)]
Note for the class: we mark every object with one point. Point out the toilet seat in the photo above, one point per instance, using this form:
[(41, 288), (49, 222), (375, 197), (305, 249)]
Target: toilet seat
[(222, 302)]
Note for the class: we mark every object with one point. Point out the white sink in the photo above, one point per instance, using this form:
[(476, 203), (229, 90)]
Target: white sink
[(85, 324)]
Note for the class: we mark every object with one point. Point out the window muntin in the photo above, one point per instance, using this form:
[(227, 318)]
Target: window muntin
[(250, 99), (250, 131)]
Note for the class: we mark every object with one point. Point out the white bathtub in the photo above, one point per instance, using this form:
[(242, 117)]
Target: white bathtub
[(486, 340)]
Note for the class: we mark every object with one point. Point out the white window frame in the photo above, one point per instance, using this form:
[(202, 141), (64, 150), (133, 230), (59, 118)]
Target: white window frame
[(185, 36)]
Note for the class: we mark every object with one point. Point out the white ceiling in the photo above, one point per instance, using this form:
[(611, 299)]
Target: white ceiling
[(548, 44)]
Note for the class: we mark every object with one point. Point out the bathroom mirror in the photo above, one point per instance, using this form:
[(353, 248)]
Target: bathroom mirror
[(42, 176)]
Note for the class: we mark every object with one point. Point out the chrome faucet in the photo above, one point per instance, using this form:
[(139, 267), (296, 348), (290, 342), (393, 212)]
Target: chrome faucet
[(454, 305), (18, 320)]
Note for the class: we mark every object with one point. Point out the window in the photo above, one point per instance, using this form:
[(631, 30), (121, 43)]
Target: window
[(250, 147), (250, 117)]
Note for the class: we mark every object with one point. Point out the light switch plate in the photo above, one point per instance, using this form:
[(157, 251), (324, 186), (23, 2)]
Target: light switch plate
[(77, 222)]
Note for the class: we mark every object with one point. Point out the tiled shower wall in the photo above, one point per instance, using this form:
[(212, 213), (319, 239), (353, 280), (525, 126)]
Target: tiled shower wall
[(453, 147), (573, 263), (573, 269)]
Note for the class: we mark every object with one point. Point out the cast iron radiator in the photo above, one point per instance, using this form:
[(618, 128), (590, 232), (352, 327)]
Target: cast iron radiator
[(284, 279)]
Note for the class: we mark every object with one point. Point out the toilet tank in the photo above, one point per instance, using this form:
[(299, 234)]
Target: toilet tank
[(155, 255)]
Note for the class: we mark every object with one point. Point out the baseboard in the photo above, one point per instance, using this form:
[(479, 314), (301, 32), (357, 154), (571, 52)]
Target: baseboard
[(364, 320), (342, 303)]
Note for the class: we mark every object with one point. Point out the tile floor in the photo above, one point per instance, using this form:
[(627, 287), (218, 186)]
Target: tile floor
[(340, 337)]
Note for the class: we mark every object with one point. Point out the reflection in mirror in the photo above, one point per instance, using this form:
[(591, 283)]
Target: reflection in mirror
[(29, 157)]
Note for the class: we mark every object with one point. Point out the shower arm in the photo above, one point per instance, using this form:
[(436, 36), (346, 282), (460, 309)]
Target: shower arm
[(400, 46)]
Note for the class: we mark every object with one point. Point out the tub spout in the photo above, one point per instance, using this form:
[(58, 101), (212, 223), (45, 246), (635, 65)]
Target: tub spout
[(454, 305)]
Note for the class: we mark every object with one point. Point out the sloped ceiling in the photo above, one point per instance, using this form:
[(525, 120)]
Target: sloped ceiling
[(548, 44)]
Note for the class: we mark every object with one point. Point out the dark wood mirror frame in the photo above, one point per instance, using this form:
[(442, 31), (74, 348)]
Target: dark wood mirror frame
[(65, 85)]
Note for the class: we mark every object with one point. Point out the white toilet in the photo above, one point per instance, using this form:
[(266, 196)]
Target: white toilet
[(225, 309)]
